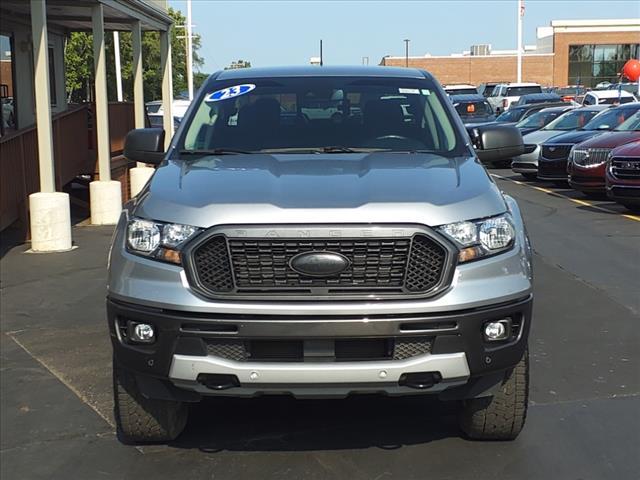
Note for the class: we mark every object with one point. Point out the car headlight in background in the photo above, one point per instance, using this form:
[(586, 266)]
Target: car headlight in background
[(158, 240), (481, 238)]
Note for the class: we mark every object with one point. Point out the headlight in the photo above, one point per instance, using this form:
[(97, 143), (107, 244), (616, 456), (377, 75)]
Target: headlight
[(481, 238), (162, 241)]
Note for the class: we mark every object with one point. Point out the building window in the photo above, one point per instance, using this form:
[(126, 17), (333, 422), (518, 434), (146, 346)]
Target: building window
[(590, 65)]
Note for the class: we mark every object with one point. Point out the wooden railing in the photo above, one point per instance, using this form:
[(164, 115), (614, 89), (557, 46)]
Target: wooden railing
[(74, 154)]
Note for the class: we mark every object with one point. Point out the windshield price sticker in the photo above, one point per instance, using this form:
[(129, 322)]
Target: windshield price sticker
[(230, 92), (410, 91)]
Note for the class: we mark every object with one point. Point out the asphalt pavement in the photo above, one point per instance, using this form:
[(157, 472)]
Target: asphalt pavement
[(584, 417)]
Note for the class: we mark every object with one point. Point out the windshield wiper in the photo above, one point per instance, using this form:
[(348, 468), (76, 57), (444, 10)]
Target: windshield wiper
[(215, 151), (328, 149)]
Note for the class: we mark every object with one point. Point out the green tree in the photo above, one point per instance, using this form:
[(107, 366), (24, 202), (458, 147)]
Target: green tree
[(79, 63)]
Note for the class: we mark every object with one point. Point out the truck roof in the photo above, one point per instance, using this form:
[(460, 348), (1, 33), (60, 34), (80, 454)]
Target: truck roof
[(318, 71)]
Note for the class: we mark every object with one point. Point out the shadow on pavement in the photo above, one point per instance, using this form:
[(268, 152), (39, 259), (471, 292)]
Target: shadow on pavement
[(286, 424)]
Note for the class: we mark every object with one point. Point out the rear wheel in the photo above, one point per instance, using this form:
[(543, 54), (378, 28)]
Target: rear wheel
[(140, 419), (502, 416)]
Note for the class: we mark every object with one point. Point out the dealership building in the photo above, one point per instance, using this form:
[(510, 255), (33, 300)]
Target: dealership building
[(567, 52)]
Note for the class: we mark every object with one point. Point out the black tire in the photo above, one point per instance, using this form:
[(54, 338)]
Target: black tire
[(530, 176), (502, 416), (144, 420)]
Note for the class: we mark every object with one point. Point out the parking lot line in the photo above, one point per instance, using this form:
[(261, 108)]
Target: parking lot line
[(574, 200)]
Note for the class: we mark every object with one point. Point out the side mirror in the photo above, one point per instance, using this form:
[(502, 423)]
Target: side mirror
[(145, 145), (496, 142)]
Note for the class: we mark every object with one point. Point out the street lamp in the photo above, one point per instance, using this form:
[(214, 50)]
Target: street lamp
[(406, 52)]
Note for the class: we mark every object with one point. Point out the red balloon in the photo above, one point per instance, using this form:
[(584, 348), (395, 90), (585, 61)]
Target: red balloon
[(631, 70)]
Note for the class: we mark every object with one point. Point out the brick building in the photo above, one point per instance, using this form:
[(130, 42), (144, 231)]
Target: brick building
[(566, 52)]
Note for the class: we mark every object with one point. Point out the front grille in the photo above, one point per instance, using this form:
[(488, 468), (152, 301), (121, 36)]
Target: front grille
[(261, 266), (348, 349), (555, 152), (625, 167), (590, 157)]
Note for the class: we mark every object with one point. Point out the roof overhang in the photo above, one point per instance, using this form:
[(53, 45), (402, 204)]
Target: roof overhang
[(75, 15)]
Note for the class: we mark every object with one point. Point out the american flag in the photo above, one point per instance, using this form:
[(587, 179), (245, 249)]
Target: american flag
[(522, 8)]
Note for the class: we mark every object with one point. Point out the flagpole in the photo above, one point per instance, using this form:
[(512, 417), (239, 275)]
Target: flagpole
[(520, 12), (189, 35)]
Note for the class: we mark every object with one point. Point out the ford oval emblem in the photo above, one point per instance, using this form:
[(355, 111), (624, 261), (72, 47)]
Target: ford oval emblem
[(319, 264)]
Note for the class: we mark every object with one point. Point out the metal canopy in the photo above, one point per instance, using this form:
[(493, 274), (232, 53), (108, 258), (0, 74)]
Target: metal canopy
[(75, 15)]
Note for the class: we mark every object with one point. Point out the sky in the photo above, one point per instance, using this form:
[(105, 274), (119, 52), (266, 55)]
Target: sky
[(269, 33)]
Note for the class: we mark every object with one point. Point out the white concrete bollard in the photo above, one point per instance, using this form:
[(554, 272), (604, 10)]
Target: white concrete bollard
[(50, 222), (105, 202), (138, 178)]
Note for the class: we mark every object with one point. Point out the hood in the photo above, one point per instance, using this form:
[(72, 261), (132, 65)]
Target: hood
[(527, 130), (576, 136), (611, 140), (538, 137), (628, 150), (314, 188)]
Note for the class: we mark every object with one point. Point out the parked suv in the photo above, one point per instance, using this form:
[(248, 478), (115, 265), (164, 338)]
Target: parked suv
[(505, 94), (587, 160), (622, 175), (272, 253)]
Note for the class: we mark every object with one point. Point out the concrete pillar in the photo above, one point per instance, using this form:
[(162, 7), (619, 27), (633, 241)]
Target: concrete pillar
[(167, 85), (139, 175), (50, 217), (138, 90), (105, 195)]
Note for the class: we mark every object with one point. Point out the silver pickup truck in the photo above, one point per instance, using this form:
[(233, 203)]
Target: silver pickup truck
[(277, 252)]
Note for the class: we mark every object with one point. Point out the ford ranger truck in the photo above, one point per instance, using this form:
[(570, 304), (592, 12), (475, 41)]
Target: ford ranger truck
[(320, 232)]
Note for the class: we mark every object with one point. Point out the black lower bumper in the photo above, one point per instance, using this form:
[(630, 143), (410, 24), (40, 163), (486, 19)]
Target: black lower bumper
[(552, 169), (188, 333)]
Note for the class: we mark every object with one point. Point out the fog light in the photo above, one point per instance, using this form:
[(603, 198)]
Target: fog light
[(142, 332), (497, 330)]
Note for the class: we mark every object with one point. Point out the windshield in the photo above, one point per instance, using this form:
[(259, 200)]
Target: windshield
[(630, 124), (512, 115), (571, 120), (610, 119), (538, 119), (296, 114), (519, 91), (477, 108)]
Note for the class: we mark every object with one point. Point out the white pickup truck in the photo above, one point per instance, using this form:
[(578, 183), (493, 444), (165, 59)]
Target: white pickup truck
[(505, 93)]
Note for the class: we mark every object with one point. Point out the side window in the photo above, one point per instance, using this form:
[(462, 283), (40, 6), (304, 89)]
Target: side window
[(587, 100)]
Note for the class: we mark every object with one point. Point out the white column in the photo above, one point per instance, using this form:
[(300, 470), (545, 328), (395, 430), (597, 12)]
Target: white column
[(167, 85), (42, 95), (139, 175), (116, 54), (105, 195), (49, 211), (138, 88)]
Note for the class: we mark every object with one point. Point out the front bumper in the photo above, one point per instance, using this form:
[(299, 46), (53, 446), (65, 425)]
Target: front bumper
[(589, 180), (527, 162), (552, 169), (458, 353)]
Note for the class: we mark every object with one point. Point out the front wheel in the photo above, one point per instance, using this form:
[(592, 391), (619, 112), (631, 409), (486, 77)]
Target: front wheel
[(140, 419), (502, 416)]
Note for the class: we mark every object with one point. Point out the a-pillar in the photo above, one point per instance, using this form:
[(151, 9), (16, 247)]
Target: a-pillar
[(105, 194), (50, 214), (140, 174)]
